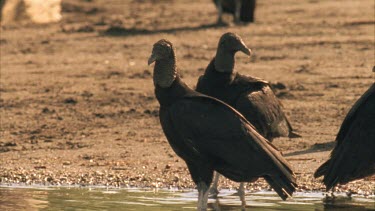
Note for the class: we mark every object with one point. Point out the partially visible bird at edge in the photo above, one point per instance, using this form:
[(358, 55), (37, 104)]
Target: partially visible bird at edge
[(353, 156)]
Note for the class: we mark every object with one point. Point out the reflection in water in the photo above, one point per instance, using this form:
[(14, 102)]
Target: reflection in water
[(17, 199), (21, 198)]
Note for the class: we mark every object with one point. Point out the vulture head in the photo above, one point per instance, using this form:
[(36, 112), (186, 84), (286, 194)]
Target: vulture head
[(162, 50), (229, 44), (233, 43), (165, 63)]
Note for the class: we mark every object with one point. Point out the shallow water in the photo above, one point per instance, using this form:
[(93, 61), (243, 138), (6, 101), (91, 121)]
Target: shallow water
[(52, 198)]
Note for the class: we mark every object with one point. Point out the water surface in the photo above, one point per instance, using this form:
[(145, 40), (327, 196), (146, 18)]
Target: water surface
[(52, 198)]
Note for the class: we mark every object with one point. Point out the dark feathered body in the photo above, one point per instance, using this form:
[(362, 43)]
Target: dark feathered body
[(252, 97), (247, 9), (210, 135), (354, 154)]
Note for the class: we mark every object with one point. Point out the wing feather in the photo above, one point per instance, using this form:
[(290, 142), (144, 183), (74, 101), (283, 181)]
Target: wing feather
[(225, 138), (353, 156)]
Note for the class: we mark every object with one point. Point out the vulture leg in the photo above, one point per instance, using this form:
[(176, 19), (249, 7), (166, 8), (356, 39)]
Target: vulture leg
[(241, 193), (237, 11), (241, 189), (213, 190), (216, 205), (202, 196), (329, 196), (202, 176), (219, 7)]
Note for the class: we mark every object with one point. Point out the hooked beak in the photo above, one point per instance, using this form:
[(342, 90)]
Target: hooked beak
[(245, 49), (152, 59)]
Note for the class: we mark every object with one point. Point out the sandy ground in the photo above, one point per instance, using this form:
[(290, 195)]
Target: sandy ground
[(77, 103)]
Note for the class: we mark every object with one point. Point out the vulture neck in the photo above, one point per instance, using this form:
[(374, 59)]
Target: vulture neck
[(168, 95), (224, 61), (165, 72)]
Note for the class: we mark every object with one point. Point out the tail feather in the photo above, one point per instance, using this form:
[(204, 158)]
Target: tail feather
[(321, 170), (334, 171), (284, 128), (330, 182), (282, 179), (281, 176), (330, 179), (283, 187), (292, 133)]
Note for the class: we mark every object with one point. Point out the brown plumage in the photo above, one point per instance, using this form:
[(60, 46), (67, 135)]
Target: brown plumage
[(354, 154), (252, 97), (209, 135)]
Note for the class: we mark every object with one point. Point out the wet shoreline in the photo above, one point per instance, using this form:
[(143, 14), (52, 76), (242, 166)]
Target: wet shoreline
[(78, 107), (96, 198), (113, 180)]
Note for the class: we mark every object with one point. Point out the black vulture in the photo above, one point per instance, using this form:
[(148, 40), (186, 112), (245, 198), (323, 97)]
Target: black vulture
[(354, 154), (210, 135), (251, 96), (242, 10)]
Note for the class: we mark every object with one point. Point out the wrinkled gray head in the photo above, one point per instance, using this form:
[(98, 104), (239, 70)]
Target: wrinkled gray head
[(232, 43), (165, 63)]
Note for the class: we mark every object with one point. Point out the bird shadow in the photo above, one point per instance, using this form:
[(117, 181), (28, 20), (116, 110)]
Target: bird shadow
[(318, 147), (122, 31)]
